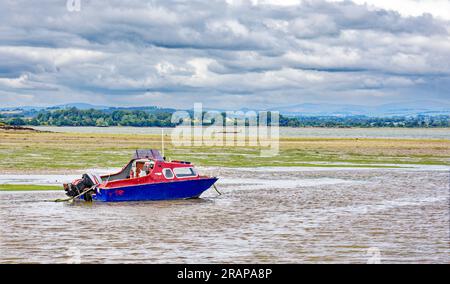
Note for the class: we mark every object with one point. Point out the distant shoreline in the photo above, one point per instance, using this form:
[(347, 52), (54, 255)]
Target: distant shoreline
[(442, 133), (20, 128), (29, 127), (165, 118)]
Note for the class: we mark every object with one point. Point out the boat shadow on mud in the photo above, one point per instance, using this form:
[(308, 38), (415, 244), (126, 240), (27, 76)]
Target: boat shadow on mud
[(154, 203)]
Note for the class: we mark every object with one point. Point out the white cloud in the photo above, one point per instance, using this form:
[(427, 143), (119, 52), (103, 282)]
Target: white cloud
[(437, 8), (228, 26), (52, 56), (19, 82)]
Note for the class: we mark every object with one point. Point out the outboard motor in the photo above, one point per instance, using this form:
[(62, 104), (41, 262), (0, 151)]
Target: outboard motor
[(78, 186)]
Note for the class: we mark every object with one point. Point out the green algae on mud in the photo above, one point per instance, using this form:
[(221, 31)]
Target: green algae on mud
[(28, 187), (34, 152)]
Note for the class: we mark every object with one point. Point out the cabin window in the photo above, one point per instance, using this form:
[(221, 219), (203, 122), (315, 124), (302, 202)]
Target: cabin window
[(168, 173), (184, 172)]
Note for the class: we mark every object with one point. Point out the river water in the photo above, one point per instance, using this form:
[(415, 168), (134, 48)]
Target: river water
[(265, 215)]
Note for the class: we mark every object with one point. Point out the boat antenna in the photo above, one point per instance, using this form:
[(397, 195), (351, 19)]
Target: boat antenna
[(162, 141)]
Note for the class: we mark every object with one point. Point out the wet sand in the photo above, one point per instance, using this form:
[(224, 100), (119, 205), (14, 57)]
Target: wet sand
[(265, 215)]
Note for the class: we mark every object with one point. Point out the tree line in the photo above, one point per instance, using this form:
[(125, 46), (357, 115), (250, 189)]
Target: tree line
[(162, 118), (92, 117)]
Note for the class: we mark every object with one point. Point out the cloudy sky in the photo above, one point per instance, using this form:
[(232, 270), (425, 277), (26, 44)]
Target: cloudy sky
[(225, 54)]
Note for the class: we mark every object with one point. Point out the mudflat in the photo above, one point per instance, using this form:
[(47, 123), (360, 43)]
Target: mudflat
[(48, 152)]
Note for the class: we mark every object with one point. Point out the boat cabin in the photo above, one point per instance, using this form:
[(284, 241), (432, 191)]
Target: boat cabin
[(148, 166)]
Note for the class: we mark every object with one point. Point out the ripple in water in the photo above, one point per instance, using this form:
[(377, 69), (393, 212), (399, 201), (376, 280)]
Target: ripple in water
[(293, 216)]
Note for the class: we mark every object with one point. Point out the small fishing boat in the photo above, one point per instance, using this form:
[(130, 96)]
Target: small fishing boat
[(148, 176)]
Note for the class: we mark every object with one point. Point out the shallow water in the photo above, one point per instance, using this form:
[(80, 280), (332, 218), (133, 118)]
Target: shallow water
[(278, 215), (411, 133)]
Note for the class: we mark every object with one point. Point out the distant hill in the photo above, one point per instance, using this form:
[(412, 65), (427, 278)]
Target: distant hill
[(424, 107), (24, 108), (82, 106), (385, 110)]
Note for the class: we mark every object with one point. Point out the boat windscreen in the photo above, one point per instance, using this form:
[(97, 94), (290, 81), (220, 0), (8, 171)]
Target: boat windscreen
[(148, 154)]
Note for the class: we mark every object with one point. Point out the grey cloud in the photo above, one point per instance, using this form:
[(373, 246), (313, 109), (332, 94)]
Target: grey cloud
[(208, 50)]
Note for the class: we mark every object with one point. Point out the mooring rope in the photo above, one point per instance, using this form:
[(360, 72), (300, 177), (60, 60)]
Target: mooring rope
[(59, 200), (217, 189), (72, 198)]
